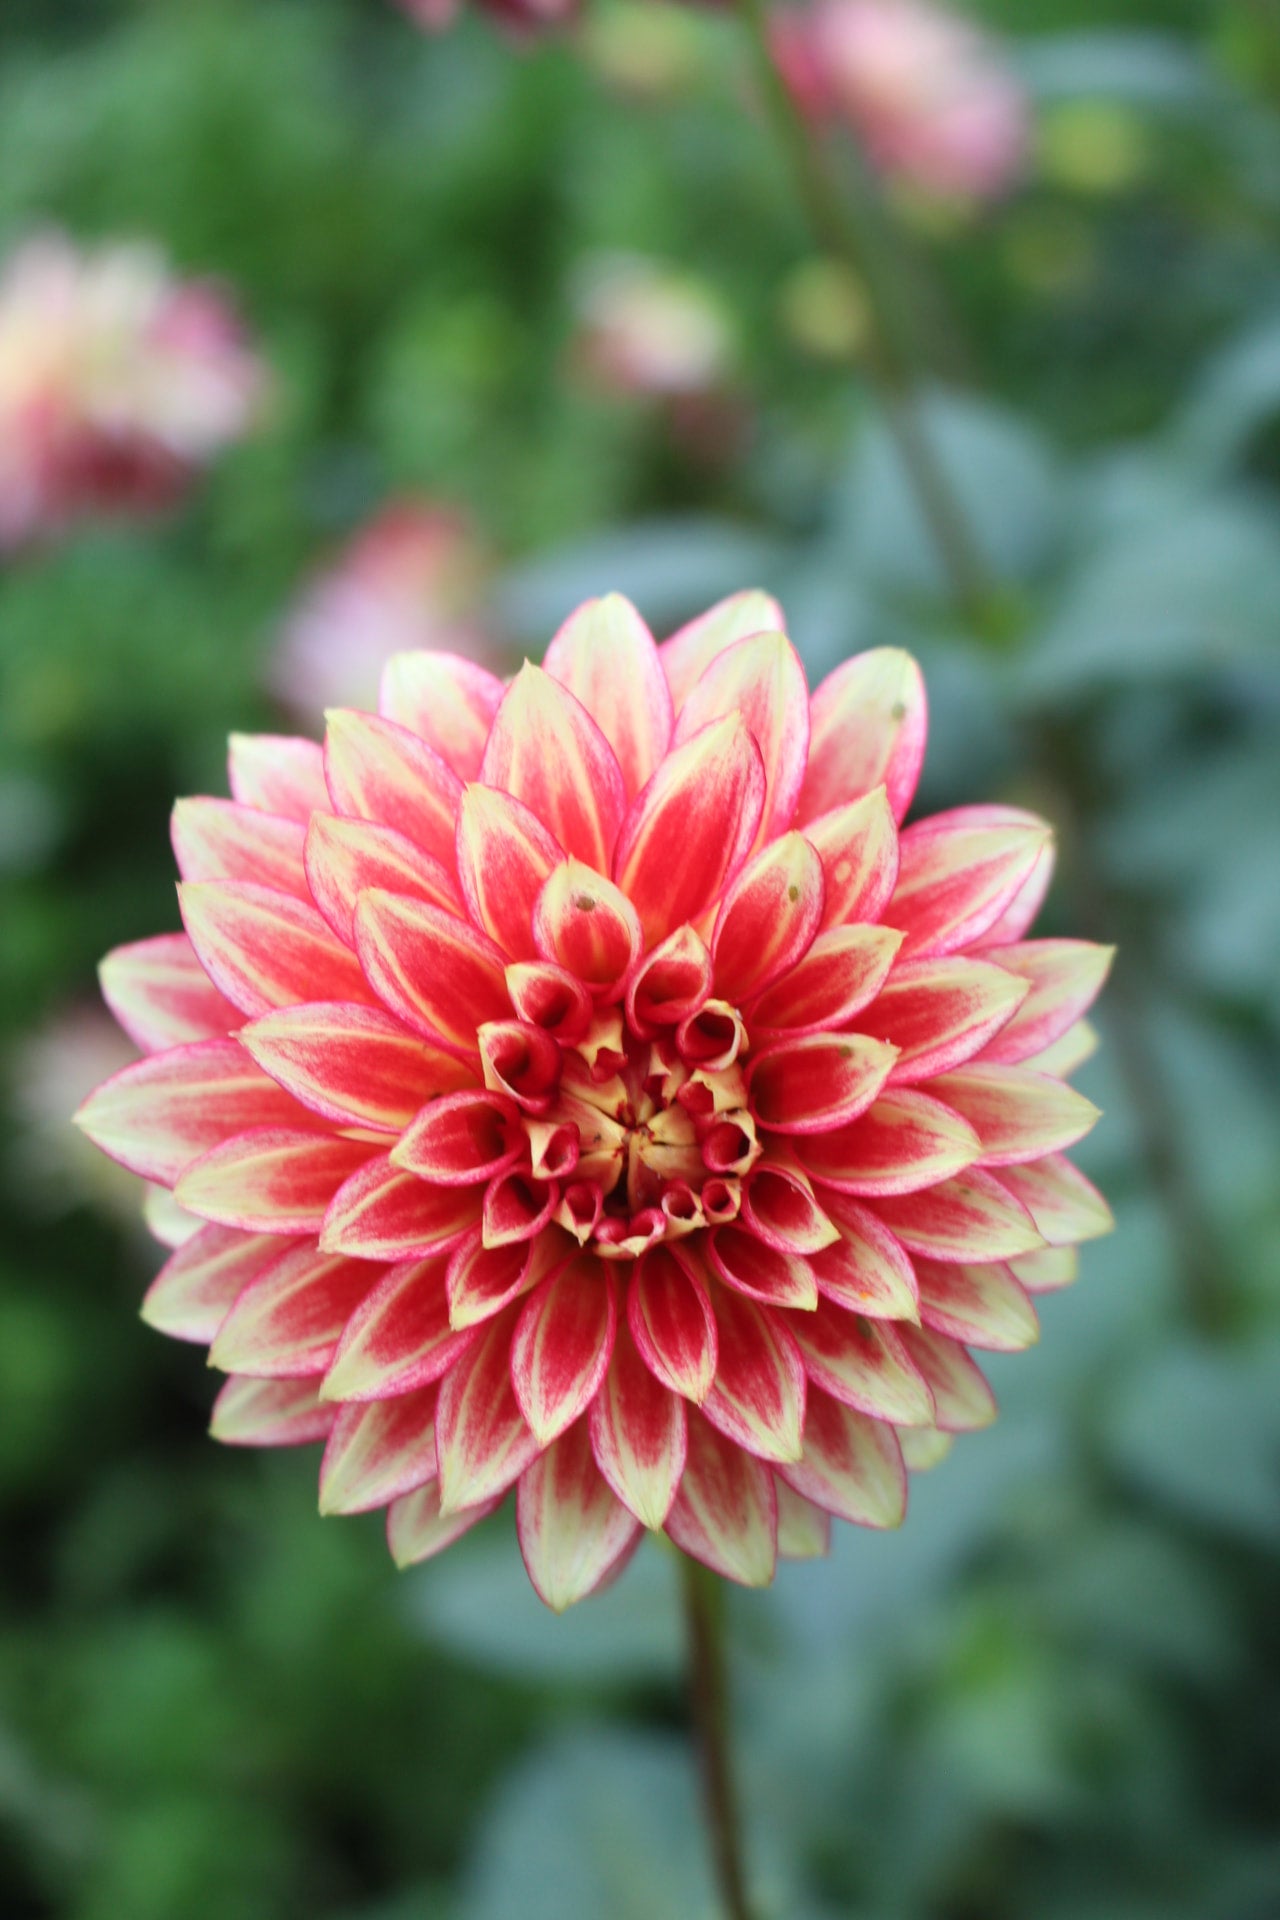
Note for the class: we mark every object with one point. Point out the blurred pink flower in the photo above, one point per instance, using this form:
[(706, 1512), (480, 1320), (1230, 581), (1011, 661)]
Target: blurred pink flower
[(647, 328), (410, 579), (60, 1062), (117, 382), (926, 91), (519, 16)]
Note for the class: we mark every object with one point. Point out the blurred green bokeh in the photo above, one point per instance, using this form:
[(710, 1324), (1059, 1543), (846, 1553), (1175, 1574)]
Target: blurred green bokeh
[(1057, 1692)]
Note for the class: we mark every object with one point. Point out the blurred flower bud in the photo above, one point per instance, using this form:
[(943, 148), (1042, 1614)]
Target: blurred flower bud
[(646, 328), (1092, 146), (79, 1046), (642, 50), (823, 309), (519, 16)]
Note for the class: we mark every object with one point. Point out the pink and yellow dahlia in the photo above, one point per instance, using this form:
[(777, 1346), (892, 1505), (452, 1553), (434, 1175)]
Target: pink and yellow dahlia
[(584, 1085)]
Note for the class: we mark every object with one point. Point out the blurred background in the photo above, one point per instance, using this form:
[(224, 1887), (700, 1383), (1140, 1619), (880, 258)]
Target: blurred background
[(419, 337)]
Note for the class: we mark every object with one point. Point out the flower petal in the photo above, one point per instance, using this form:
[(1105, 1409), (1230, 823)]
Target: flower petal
[(286, 1323), (851, 1465), (483, 1443), (384, 1213), (962, 1399), (865, 1364), (266, 949), (222, 840), (277, 773), (546, 749), (355, 1065), (379, 1450), (769, 917), (1065, 1206), (761, 679), (442, 977), (726, 1512), (1026, 903), (162, 996), (638, 1433), (958, 871), (418, 1530), (858, 846), (605, 655), (687, 654), (194, 1290), (923, 1448), (804, 1531), (1017, 1114), (690, 829), (972, 1217), (270, 1179), (817, 1081), (344, 858), (671, 984), (562, 1343), (983, 1306), (573, 1529), (1066, 978), (842, 972), (379, 771), (904, 1141), (1065, 1056), (780, 1208), (463, 1139), (165, 1220), (269, 1413), (672, 1323), (747, 1266), (160, 1113), (504, 856), (867, 1270), (586, 925), (1046, 1270), (757, 1398), (868, 724), (939, 1013), (446, 700), (399, 1339), (481, 1280)]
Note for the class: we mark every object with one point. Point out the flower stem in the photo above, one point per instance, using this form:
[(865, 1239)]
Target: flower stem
[(708, 1695), (846, 238)]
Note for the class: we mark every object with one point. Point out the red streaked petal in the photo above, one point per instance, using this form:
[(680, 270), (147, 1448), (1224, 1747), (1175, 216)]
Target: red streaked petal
[(277, 773), (483, 1442), (858, 846), (868, 724), (804, 1531), (672, 1323), (223, 840), (399, 1339), (463, 1139), (867, 1270), (438, 973), (545, 748), (958, 871), (757, 1398), (762, 680), (270, 1179), (517, 1208), (686, 656), (971, 1217), (379, 771), (562, 1343), (842, 972), (726, 1512), (768, 918), (160, 1113), (482, 1280), (670, 984), (1065, 1206), (761, 1272), (379, 1450), (383, 1213), (851, 1465), (520, 1061), (983, 1306), (817, 1081), (1046, 1270), (691, 828), (549, 998), (194, 1290), (504, 856), (780, 1208), (1065, 1056), (269, 1413), (962, 1399), (940, 1013), (417, 1529), (638, 1433), (266, 949), (904, 1141), (586, 925), (345, 858), (354, 1065), (286, 1323), (162, 996), (864, 1364), (1066, 978), (572, 1528), (605, 655), (447, 700), (1026, 903), (1016, 1114)]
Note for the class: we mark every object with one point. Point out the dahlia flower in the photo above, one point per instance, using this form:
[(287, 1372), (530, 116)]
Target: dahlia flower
[(584, 1085), (410, 578), (925, 91), (646, 328), (519, 17), (117, 382)]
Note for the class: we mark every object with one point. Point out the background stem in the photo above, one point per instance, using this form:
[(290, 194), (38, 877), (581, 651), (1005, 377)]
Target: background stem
[(708, 1696)]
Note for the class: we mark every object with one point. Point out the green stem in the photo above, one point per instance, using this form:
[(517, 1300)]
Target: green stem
[(709, 1699), (839, 234)]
